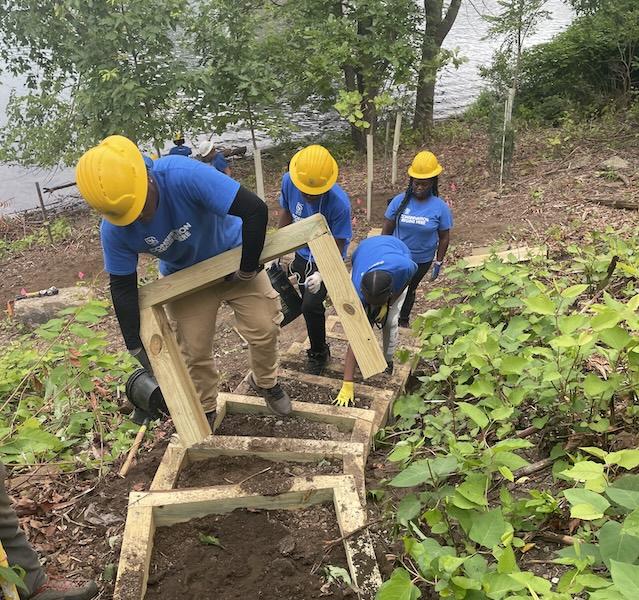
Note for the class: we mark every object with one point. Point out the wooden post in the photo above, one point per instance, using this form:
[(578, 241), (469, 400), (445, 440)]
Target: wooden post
[(259, 177), (396, 138), (172, 375), (348, 305), (44, 212), (369, 176)]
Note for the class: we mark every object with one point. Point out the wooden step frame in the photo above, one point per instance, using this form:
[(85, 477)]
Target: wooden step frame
[(149, 510), (161, 344)]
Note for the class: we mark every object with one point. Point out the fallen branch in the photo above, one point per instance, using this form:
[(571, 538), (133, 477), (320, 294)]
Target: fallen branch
[(524, 433), (558, 538), (329, 544), (540, 465)]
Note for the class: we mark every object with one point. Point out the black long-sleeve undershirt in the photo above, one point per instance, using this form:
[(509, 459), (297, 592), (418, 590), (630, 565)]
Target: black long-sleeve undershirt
[(124, 288)]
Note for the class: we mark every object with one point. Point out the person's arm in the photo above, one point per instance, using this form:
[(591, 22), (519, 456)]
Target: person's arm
[(346, 395), (227, 171), (389, 227), (341, 242), (286, 218), (254, 214), (442, 247)]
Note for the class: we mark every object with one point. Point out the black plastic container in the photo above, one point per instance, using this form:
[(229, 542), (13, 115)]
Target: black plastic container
[(144, 393), (291, 300)]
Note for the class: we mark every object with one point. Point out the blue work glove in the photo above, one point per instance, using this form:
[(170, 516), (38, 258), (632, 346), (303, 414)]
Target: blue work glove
[(437, 267)]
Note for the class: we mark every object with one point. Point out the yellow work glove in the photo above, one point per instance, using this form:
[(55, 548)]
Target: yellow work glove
[(346, 395)]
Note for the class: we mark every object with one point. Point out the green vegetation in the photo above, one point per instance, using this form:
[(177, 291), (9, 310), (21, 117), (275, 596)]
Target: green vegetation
[(60, 230), (58, 393), (550, 349)]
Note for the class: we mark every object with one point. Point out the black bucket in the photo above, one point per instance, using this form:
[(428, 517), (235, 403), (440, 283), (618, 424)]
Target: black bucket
[(291, 300), (144, 393)]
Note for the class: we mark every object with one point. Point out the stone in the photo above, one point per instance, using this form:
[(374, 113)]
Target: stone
[(287, 545), (615, 163), (36, 311)]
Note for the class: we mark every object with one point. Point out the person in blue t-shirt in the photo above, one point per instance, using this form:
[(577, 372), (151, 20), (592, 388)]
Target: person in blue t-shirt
[(382, 270), (209, 155), (180, 149), (183, 212), (308, 188), (421, 219)]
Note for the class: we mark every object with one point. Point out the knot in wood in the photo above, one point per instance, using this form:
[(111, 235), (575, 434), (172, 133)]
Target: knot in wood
[(349, 309), (156, 344)]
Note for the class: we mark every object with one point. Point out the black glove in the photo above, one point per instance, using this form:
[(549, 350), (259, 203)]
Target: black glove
[(141, 356)]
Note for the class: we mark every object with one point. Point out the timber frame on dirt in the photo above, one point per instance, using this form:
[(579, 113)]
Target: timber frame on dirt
[(161, 345), (148, 510)]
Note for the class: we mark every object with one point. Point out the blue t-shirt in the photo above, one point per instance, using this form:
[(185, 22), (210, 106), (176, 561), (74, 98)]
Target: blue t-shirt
[(419, 223), (180, 151), (190, 225), (219, 162), (334, 205), (382, 253)]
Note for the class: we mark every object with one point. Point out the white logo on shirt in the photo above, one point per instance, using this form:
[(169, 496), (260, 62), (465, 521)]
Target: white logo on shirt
[(412, 220), (179, 235), (407, 210), (299, 209)]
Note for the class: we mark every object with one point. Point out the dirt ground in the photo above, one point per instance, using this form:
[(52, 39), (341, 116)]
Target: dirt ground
[(75, 520)]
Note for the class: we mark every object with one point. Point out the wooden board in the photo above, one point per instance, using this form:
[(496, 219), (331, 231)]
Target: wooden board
[(375, 231), (172, 375), (521, 254), (347, 305), (208, 272), (174, 459), (148, 510)]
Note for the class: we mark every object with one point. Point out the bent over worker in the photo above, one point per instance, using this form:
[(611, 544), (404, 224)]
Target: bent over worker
[(20, 553), (308, 188), (382, 269), (183, 212)]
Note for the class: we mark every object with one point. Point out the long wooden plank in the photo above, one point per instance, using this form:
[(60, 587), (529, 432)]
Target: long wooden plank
[(135, 555), (347, 305), (173, 461), (214, 269), (344, 417), (172, 375), (360, 553), (520, 254)]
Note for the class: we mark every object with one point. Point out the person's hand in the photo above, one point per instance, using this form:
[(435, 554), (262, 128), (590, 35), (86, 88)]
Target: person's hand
[(241, 276), (346, 395), (313, 282), (272, 263), (437, 267), (141, 356)]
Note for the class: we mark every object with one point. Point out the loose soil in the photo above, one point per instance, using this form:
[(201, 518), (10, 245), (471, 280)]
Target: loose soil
[(267, 555), (253, 474), (283, 427)]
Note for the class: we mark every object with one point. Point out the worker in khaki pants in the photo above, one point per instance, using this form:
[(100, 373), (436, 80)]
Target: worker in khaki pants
[(21, 553), (184, 212)]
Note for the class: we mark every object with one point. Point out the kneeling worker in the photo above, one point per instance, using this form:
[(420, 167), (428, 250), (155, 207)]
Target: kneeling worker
[(382, 270), (183, 212)]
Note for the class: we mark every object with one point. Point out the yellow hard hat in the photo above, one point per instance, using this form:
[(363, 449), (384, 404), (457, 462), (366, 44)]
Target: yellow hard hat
[(178, 135), (313, 170), (112, 178), (424, 166)]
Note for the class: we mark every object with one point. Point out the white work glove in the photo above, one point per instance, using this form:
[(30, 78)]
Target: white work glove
[(313, 282)]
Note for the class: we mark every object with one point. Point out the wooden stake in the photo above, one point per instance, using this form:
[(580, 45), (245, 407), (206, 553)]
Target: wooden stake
[(369, 176), (134, 449), (259, 177), (396, 138)]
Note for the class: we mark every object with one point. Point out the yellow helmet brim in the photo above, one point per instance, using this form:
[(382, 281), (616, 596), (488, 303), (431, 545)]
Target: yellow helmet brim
[(416, 175), (307, 189)]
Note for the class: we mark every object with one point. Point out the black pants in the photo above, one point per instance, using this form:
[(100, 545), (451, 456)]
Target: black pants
[(422, 269), (312, 304)]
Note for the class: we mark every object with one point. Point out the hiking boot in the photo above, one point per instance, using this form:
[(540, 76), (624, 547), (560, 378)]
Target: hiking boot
[(61, 589), (316, 361), (404, 323), (389, 368), (276, 398)]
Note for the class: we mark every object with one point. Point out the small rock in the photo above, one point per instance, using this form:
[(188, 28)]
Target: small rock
[(287, 545), (555, 580), (615, 163), (279, 423), (36, 311)]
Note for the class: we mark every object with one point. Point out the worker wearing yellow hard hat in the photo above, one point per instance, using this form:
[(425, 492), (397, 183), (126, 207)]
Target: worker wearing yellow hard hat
[(422, 220), (310, 187), (183, 212), (179, 148)]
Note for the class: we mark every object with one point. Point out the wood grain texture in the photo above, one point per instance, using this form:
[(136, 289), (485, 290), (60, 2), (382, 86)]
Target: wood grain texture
[(521, 254)]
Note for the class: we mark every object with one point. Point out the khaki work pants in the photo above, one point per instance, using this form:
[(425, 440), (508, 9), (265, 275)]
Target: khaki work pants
[(258, 314)]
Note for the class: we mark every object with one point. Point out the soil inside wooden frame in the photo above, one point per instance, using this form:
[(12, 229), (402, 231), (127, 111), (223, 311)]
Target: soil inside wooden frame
[(282, 427), (266, 555), (253, 474)]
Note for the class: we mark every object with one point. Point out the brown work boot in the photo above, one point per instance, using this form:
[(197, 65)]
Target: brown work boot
[(62, 589), (276, 398)]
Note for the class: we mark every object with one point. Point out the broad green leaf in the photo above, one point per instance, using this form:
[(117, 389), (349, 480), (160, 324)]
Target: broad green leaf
[(401, 452), (625, 491), (409, 406), (614, 544), (497, 585), (475, 413), (481, 388), (510, 445), (450, 564), (606, 319), (488, 528), (593, 386), (628, 459), (209, 540), (585, 512), (466, 583), (501, 413), (408, 508), (563, 341), (506, 473), (631, 523), (573, 291), (10, 576), (422, 471), (398, 587), (532, 582), (589, 472), (598, 452), (474, 488), (592, 581), (615, 337), (626, 578), (585, 504), (541, 304), (512, 365)]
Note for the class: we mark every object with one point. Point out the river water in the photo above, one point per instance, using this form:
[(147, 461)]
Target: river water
[(456, 89)]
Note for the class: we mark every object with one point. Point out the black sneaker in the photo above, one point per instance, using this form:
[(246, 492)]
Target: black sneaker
[(316, 361), (404, 323), (389, 368), (275, 397)]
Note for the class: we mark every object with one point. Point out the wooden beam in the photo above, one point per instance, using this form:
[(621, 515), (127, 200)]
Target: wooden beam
[(135, 555), (175, 458), (375, 231), (214, 269), (521, 254), (347, 305), (172, 375)]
